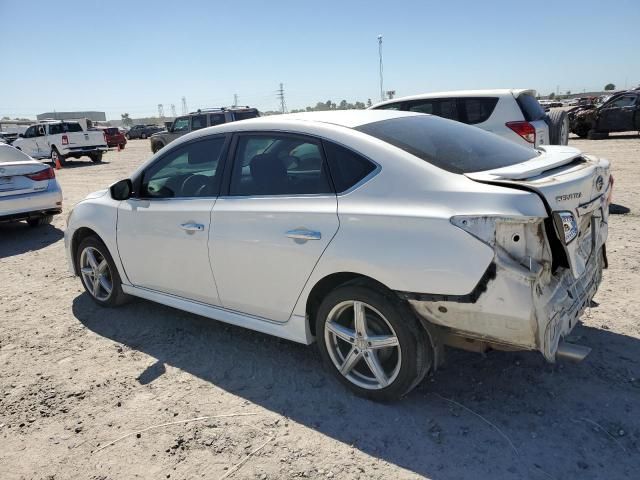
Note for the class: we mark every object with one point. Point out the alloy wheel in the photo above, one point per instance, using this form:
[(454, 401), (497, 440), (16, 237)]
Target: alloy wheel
[(362, 345), (96, 274)]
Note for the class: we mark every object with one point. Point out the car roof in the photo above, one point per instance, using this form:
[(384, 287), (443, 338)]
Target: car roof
[(496, 92), (344, 118)]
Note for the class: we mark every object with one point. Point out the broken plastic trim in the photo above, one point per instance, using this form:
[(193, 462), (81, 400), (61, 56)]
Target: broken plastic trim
[(472, 297)]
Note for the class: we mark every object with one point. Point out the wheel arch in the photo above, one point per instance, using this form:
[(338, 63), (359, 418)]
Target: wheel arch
[(78, 236), (331, 282)]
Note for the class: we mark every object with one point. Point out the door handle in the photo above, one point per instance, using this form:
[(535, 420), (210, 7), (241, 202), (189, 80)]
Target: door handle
[(303, 234), (192, 227)]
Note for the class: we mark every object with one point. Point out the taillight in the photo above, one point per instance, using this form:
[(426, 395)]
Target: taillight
[(524, 129), (65, 140), (46, 174)]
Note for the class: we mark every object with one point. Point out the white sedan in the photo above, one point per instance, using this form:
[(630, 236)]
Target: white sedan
[(28, 189), (381, 235)]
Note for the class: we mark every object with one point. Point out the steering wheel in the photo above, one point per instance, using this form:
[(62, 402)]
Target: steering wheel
[(195, 185)]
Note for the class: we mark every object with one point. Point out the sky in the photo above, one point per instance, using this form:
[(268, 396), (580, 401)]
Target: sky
[(129, 56)]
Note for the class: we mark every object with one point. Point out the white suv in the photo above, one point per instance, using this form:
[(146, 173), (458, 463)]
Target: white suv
[(514, 114), (381, 235)]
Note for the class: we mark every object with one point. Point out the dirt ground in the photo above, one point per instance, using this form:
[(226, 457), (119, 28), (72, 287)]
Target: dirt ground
[(215, 401)]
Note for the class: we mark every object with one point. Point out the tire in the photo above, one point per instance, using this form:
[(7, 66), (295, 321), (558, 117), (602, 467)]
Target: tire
[(156, 146), (107, 272), (40, 221), (127, 136), (402, 365), (96, 157), (143, 136), (582, 130), (122, 146), (55, 154), (558, 127)]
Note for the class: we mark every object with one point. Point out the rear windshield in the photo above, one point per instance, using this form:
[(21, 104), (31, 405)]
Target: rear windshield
[(111, 131), (530, 107), (65, 127), (452, 146)]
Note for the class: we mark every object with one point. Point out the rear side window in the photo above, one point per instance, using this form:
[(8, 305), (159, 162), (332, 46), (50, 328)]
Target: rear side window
[(530, 107), (442, 107), (216, 119), (245, 114), (476, 109), (198, 122), (452, 146), (71, 127), (347, 167)]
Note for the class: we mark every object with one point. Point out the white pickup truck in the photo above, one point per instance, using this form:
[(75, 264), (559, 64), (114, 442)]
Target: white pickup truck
[(59, 140)]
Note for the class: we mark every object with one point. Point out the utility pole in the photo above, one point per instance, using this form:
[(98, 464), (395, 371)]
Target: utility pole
[(185, 110), (235, 99), (173, 111), (160, 110), (380, 56), (280, 95)]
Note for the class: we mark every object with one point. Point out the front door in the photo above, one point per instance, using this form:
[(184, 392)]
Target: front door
[(163, 233), (28, 142), (618, 115), (273, 224)]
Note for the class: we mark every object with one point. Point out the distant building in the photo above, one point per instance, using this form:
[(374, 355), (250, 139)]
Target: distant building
[(93, 116)]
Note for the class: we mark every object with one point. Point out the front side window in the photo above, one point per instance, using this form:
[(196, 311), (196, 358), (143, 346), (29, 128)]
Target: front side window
[(181, 124), (190, 170), (198, 122), (30, 132), (626, 101), (390, 106), (278, 165)]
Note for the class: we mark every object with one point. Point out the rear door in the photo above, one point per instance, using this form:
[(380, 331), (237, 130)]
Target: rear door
[(272, 224), (618, 115), (535, 115)]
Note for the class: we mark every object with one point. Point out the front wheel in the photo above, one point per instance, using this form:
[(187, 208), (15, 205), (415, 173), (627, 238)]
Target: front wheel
[(372, 342), (155, 146), (98, 273)]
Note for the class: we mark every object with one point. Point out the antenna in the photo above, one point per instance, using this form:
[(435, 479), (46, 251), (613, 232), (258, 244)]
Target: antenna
[(185, 110), (280, 95), (160, 110), (173, 110)]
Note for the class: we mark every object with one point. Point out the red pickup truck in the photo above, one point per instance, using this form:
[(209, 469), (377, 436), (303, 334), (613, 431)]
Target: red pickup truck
[(114, 137)]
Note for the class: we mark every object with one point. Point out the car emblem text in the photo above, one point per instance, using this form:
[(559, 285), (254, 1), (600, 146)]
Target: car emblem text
[(568, 196), (599, 183)]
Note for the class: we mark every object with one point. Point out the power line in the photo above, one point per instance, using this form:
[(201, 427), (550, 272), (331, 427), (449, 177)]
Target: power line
[(280, 95)]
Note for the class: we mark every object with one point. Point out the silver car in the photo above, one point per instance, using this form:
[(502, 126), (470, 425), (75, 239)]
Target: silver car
[(382, 235), (28, 189)]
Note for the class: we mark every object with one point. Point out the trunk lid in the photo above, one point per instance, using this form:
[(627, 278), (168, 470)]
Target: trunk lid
[(567, 181), (14, 180)]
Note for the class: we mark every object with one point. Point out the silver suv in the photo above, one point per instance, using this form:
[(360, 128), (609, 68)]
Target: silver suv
[(200, 119)]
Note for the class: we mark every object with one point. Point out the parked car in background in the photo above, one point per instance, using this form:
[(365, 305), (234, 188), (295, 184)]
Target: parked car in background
[(514, 114), (28, 189), (382, 235), (200, 119), (620, 113), (61, 140), (6, 137), (142, 131), (114, 137)]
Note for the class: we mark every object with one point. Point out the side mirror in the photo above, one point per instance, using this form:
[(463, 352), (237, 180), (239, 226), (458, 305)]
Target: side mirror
[(121, 190)]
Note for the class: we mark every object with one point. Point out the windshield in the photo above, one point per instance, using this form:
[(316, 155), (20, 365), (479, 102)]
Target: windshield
[(452, 146)]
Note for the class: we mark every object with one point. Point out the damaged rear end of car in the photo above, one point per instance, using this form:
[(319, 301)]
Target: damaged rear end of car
[(545, 270)]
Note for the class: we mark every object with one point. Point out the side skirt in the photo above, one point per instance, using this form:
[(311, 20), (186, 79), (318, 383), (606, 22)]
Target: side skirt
[(295, 329)]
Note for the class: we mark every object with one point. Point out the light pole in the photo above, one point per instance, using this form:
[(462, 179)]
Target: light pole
[(380, 55)]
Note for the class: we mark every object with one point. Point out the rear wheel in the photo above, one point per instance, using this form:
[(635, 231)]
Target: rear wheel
[(372, 342), (40, 221), (96, 157), (98, 273), (56, 156), (559, 127), (143, 135)]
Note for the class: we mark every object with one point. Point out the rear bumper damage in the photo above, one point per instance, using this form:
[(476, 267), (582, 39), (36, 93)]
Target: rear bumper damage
[(521, 305)]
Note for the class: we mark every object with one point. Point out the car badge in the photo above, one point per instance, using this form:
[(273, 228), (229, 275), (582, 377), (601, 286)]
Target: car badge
[(599, 183)]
